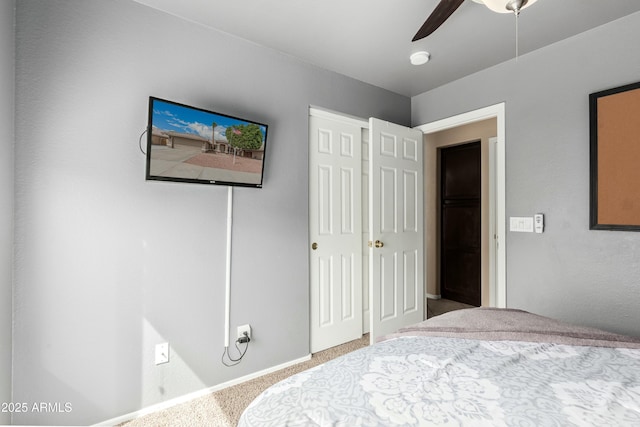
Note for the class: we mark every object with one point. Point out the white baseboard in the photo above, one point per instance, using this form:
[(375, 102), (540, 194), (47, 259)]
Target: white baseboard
[(197, 394), (433, 296)]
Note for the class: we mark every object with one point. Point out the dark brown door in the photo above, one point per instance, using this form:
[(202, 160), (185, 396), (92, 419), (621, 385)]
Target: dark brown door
[(460, 223)]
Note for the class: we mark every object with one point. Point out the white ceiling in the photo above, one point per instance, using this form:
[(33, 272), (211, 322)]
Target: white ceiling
[(370, 40)]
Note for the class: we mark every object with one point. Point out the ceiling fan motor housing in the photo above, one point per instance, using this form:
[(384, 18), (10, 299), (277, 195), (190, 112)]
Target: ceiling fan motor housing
[(516, 5), (506, 6)]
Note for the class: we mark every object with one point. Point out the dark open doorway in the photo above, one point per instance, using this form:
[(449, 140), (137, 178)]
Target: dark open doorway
[(460, 219)]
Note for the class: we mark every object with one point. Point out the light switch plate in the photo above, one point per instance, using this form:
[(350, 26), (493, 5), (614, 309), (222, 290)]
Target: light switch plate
[(521, 224)]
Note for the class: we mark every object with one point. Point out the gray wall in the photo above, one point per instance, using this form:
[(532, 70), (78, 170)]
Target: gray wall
[(568, 272), (107, 265), (7, 86)]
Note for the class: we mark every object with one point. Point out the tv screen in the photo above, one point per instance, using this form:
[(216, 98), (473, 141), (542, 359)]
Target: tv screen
[(189, 144)]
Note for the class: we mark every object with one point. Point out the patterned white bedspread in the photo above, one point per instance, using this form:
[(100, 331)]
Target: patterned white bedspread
[(426, 381)]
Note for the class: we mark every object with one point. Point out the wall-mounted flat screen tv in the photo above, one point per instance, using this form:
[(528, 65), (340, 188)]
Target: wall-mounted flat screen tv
[(189, 144)]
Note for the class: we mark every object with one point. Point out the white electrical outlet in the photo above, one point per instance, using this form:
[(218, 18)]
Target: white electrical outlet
[(242, 329), (162, 353)]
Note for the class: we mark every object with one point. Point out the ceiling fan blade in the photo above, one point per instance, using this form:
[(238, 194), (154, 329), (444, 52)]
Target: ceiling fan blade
[(440, 14)]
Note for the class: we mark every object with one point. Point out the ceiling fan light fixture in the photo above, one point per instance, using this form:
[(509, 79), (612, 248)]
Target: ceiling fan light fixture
[(419, 58), (506, 6)]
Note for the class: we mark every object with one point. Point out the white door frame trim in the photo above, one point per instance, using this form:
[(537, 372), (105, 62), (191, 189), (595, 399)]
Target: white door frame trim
[(334, 115), (498, 288)]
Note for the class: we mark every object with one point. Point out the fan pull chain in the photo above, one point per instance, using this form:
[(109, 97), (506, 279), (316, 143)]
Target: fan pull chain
[(517, 38)]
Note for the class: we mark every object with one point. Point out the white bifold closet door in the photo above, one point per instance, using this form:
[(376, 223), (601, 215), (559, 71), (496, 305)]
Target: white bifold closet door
[(335, 219), (395, 251), (396, 227)]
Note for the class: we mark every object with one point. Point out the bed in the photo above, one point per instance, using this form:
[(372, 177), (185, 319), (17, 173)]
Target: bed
[(473, 367)]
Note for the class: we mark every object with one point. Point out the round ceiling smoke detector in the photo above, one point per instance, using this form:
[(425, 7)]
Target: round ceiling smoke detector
[(419, 58)]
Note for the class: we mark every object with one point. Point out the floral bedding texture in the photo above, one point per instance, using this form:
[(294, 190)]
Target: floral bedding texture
[(477, 367)]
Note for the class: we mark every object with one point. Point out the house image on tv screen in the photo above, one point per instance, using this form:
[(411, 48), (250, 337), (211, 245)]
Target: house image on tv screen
[(193, 145)]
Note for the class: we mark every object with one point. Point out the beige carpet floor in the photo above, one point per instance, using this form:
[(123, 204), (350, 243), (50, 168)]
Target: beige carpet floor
[(223, 408), (436, 307)]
